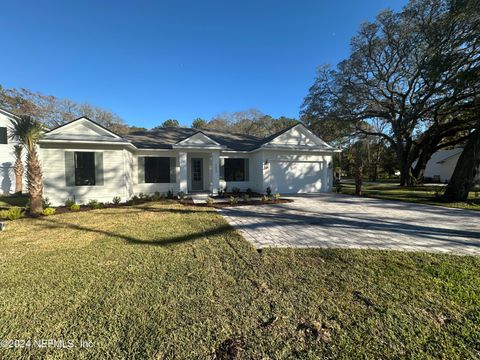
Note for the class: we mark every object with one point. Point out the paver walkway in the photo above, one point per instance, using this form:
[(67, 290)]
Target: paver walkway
[(342, 221)]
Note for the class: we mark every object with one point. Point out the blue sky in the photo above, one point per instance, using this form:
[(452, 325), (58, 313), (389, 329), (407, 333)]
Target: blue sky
[(152, 60)]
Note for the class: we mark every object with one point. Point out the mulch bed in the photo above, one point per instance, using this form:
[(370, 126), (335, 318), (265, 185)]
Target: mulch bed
[(240, 203), (186, 202)]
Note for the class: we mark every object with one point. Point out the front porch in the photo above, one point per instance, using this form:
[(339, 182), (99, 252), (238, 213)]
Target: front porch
[(199, 172)]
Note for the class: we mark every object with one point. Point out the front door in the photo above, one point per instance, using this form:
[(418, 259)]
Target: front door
[(197, 174)]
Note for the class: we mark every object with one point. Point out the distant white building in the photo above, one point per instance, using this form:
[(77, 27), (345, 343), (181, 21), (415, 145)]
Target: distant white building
[(441, 165)]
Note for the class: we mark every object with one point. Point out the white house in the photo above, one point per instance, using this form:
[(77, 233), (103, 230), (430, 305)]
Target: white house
[(441, 165), (82, 160), (7, 157)]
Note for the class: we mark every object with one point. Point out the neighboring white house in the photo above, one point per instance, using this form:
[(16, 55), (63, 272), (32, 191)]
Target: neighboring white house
[(441, 165), (82, 160), (7, 158)]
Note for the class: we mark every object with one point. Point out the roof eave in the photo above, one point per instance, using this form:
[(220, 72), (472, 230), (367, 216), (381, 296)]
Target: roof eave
[(197, 147)]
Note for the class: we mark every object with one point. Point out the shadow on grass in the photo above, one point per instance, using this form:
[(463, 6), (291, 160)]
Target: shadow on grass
[(13, 200), (55, 224)]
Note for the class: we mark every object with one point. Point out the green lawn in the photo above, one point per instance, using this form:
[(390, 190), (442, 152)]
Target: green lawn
[(167, 281), (419, 194)]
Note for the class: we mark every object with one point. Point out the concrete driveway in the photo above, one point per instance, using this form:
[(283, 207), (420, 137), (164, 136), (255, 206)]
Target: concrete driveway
[(342, 221)]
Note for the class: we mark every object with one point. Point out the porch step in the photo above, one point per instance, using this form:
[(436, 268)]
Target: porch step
[(199, 198)]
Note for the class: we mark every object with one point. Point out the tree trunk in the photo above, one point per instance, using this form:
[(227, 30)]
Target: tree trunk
[(18, 179), (35, 181), (465, 171), (402, 160), (358, 175), (18, 169)]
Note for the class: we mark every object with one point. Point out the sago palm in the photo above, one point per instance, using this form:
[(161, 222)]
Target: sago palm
[(18, 168), (29, 131)]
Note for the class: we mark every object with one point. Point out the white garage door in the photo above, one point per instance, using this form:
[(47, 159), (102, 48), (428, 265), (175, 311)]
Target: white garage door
[(297, 177)]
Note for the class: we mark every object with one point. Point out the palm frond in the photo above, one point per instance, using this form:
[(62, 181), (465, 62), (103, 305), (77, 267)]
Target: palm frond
[(27, 130)]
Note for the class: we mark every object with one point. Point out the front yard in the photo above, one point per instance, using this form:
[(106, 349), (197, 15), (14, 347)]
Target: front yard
[(426, 194), (163, 280)]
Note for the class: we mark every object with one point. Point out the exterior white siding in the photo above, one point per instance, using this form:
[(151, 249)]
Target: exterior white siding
[(56, 189), (441, 165), (7, 158), (257, 173), (294, 137)]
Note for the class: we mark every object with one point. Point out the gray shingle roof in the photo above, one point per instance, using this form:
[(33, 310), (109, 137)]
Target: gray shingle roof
[(164, 138)]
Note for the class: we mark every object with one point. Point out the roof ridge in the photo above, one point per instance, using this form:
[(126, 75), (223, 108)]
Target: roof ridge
[(204, 130)]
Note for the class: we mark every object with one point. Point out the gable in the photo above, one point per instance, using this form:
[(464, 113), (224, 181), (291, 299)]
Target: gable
[(5, 120), (198, 139), (297, 136), (82, 128)]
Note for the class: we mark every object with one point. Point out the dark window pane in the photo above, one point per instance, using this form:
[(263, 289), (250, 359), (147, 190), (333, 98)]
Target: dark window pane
[(3, 135), (84, 168), (234, 170), (157, 169)]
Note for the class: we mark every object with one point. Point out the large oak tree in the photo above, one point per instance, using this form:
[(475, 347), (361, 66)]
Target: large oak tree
[(413, 76)]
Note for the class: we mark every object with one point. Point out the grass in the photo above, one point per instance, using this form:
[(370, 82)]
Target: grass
[(418, 194), (170, 281)]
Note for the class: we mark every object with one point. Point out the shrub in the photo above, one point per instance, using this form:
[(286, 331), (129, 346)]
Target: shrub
[(95, 204), (233, 200), (134, 200), (265, 198), (276, 196), (14, 213), (181, 195), (144, 197), (46, 203), (269, 191), (249, 191), (69, 203), (74, 207), (156, 196), (116, 200), (92, 203), (210, 201), (169, 194), (236, 190), (245, 197), (48, 211)]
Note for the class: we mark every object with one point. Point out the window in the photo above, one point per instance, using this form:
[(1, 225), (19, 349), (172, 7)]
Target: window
[(157, 169), (3, 135), (236, 169), (84, 168)]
